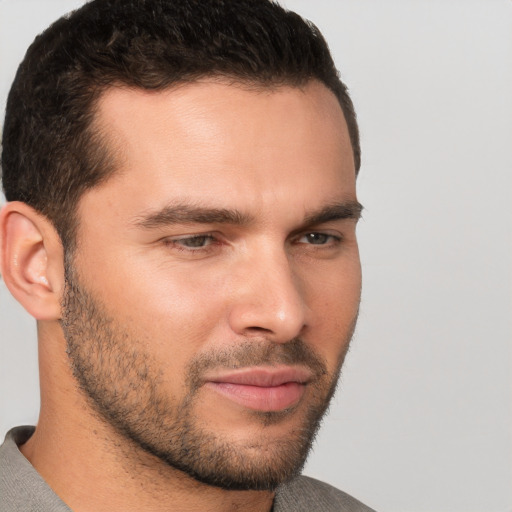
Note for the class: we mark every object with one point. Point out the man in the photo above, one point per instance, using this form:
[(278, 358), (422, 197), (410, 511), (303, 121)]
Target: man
[(181, 219)]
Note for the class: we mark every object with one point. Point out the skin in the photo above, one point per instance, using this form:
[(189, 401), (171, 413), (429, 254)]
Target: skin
[(177, 289)]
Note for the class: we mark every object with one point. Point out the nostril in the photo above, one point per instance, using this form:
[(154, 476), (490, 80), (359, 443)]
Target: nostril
[(258, 329)]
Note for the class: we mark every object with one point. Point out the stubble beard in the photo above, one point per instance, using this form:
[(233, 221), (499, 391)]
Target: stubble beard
[(123, 386)]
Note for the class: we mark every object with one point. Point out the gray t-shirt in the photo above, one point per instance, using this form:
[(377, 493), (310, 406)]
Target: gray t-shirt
[(22, 489)]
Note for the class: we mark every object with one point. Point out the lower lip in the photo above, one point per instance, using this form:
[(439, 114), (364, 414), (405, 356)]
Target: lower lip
[(265, 399)]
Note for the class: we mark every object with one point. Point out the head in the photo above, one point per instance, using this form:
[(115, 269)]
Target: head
[(53, 152), (197, 161)]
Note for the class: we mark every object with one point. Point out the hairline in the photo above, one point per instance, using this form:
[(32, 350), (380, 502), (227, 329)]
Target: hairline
[(103, 142)]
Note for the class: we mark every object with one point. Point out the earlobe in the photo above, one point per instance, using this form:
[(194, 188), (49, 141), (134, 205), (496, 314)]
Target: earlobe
[(30, 254)]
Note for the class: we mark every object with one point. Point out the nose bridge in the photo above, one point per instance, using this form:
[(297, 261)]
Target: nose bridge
[(271, 299)]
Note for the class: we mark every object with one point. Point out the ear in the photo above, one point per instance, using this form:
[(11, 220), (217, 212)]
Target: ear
[(31, 260)]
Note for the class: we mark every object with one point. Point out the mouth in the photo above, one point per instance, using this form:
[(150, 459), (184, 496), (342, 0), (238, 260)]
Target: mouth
[(264, 389)]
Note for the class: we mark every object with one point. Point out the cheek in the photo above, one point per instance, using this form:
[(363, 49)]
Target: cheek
[(333, 289), (168, 313), (334, 303)]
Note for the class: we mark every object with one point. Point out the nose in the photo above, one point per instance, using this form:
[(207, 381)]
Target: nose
[(268, 299)]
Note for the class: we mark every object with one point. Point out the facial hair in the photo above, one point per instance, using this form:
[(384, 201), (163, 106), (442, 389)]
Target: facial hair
[(124, 385)]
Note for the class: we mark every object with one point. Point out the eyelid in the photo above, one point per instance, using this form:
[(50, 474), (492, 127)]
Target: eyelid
[(337, 236), (174, 242)]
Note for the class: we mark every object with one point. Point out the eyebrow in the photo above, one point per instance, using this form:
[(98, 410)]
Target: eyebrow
[(335, 211), (192, 214)]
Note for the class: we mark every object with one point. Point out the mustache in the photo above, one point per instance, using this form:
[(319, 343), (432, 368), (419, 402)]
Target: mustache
[(253, 353)]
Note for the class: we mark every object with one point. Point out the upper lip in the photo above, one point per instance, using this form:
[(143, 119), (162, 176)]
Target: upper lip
[(263, 376)]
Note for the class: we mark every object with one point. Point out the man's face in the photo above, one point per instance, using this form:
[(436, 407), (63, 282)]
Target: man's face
[(216, 281)]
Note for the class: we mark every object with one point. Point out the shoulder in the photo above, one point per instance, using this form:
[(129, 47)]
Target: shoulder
[(22, 489), (303, 494)]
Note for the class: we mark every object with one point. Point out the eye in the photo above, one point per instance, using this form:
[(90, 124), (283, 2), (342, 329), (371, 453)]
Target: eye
[(319, 239), (196, 241), (191, 243)]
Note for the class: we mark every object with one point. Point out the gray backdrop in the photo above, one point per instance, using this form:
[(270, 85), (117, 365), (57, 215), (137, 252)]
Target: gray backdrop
[(423, 420)]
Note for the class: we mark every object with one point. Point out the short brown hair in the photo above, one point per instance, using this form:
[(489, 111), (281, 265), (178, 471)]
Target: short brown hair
[(51, 156)]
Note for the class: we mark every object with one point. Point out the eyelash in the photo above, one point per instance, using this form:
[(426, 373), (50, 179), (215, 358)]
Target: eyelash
[(179, 243), (335, 239)]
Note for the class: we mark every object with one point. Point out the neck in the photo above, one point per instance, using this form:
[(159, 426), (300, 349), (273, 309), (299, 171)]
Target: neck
[(91, 467)]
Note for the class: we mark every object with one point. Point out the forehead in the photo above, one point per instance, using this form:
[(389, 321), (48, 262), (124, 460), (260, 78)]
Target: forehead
[(211, 141)]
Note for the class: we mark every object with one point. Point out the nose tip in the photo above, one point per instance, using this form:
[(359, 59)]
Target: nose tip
[(271, 303)]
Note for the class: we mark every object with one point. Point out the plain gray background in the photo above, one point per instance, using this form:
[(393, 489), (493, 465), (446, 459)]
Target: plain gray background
[(423, 418)]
